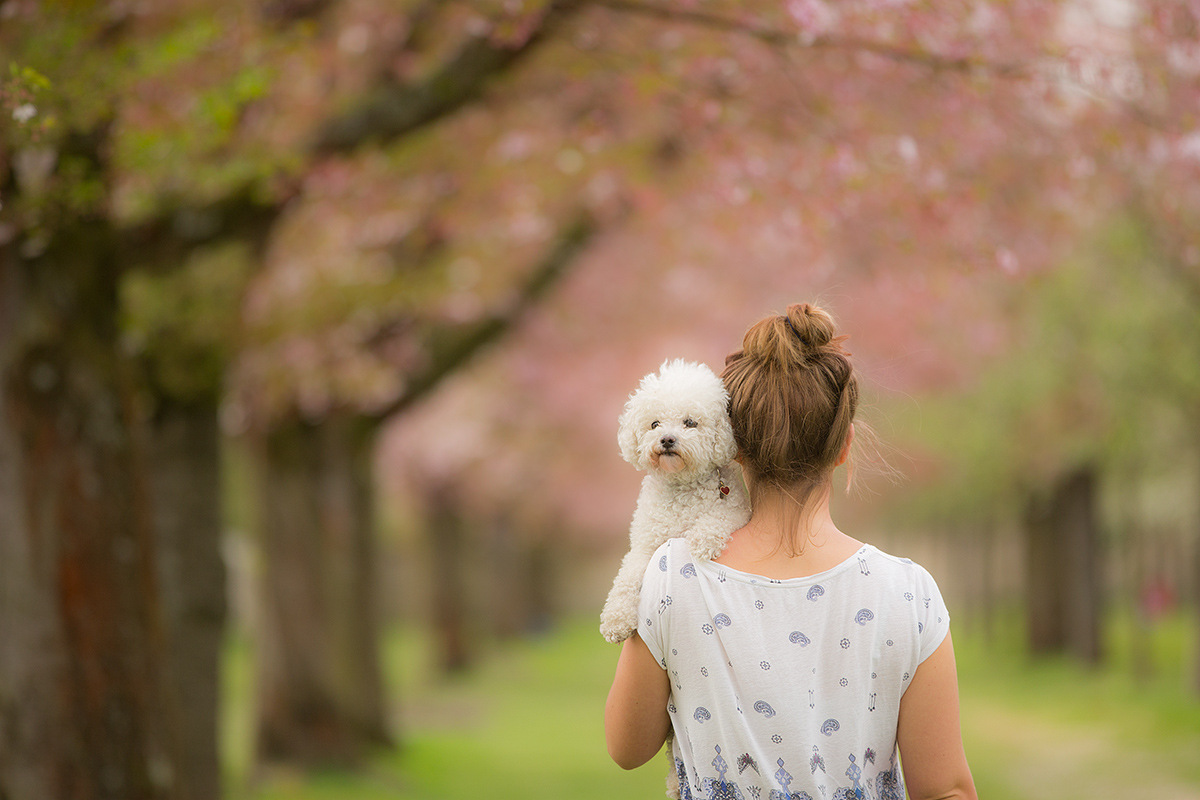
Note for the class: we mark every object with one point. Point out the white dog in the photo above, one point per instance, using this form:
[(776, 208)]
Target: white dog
[(676, 427)]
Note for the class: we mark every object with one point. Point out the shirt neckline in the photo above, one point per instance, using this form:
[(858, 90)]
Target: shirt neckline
[(720, 571)]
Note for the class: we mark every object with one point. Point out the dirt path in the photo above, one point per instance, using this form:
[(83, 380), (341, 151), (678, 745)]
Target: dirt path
[(1044, 759)]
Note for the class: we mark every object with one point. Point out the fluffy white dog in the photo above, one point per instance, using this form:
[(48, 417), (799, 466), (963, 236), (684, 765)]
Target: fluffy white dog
[(676, 427)]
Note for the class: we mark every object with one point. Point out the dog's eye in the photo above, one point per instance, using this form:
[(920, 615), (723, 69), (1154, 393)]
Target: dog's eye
[(654, 424), (689, 423)]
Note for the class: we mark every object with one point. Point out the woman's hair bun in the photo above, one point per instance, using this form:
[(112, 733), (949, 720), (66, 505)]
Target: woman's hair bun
[(813, 326), (790, 339)]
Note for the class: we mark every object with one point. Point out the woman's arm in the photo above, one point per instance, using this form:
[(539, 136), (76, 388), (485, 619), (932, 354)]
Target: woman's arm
[(928, 733), (635, 717)]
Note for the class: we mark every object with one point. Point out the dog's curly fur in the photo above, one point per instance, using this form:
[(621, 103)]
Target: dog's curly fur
[(676, 427)]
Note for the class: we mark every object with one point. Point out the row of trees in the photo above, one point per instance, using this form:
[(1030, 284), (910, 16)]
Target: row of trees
[(1081, 435), (141, 200), (290, 221)]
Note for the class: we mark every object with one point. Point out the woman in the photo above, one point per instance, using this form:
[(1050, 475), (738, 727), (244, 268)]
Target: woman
[(799, 663)]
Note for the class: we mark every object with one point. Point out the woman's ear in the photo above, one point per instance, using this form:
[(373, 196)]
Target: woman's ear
[(842, 456)]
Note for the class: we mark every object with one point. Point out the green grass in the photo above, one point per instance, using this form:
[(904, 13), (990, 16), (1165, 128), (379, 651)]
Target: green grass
[(1051, 728), (528, 724)]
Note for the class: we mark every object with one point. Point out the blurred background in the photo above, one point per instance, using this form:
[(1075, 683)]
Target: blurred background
[(316, 317)]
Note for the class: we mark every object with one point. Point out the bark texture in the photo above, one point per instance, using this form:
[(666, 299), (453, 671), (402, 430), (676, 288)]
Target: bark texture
[(81, 711)]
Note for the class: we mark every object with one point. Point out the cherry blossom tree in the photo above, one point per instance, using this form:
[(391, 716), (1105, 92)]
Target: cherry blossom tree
[(388, 188)]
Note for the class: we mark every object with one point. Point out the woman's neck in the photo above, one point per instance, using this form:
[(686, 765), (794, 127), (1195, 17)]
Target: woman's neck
[(762, 546)]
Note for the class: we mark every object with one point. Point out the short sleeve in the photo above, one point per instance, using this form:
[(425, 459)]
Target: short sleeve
[(655, 603), (933, 619)]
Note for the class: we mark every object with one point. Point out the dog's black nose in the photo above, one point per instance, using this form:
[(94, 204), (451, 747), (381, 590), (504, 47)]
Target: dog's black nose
[(667, 441)]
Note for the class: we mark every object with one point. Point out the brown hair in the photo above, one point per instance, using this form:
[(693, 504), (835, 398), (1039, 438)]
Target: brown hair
[(792, 396)]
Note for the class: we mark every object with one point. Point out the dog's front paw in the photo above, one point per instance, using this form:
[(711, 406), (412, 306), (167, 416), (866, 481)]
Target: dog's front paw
[(617, 625), (707, 548), (616, 632)]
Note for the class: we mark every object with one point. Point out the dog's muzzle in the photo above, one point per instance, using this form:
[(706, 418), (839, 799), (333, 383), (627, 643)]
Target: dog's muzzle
[(668, 455)]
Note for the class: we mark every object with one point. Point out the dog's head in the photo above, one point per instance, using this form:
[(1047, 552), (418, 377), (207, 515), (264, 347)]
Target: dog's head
[(677, 422)]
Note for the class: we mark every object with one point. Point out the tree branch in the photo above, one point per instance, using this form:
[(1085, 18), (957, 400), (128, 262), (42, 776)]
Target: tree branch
[(391, 111), (791, 39), (449, 347), (394, 109), (286, 12), (177, 229)]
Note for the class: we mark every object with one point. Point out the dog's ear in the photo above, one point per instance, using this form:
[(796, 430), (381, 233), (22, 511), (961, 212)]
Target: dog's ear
[(726, 446), (633, 420), (627, 437)]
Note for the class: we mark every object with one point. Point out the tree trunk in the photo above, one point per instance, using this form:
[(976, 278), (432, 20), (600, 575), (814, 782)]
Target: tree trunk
[(517, 577), (348, 516), (320, 683), (1065, 589), (1084, 557), (81, 710), (539, 583), (1044, 602), (184, 478), (447, 532), (508, 611)]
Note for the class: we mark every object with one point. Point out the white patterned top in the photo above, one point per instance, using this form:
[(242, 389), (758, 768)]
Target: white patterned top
[(789, 690)]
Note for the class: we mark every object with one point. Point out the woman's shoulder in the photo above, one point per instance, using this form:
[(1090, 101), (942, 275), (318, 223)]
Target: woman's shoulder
[(902, 562), (900, 568)]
